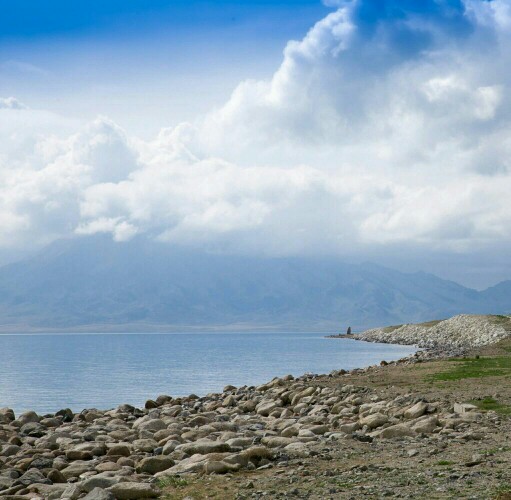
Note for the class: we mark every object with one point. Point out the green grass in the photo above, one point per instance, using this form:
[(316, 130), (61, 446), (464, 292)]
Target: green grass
[(172, 482), (477, 367), (503, 492), (390, 329), (444, 462), (429, 324), (487, 404)]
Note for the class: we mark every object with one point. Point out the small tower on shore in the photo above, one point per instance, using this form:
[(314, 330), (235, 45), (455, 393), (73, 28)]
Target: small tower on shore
[(349, 331)]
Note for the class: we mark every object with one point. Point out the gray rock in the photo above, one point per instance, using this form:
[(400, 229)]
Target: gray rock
[(99, 494), (72, 492), (203, 447), (416, 411), (28, 417), (152, 465), (76, 469), (99, 481), (33, 429), (32, 476), (133, 491)]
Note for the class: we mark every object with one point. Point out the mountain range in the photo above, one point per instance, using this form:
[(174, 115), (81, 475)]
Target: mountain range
[(95, 284)]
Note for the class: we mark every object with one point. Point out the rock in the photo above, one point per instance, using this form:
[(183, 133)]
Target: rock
[(66, 414), (86, 451), (50, 491), (297, 450), (32, 476), (277, 441), (152, 465), (219, 467), (55, 476), (266, 407), (150, 404), (41, 463), (72, 492), (374, 420), (152, 425), (99, 494), (133, 491), (229, 401), (426, 425), (319, 429), (169, 447), (9, 450), (99, 481), (394, 431), (76, 469), (119, 450), (107, 467), (349, 428), (203, 447), (33, 429), (6, 415), (416, 411), (145, 445), (28, 418), (464, 408)]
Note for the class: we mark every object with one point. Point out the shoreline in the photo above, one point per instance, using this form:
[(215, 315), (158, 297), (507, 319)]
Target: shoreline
[(273, 432)]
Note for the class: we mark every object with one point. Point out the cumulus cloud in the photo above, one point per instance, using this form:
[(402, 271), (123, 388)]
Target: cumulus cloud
[(388, 123)]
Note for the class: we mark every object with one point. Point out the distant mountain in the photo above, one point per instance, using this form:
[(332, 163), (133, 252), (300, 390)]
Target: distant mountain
[(96, 284)]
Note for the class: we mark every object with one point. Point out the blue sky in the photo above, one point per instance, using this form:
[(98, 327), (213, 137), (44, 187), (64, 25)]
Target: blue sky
[(365, 129), (174, 59)]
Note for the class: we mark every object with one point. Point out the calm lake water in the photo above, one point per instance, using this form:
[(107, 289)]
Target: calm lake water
[(48, 372)]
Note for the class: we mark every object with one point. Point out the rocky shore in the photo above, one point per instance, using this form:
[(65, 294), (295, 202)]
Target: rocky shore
[(130, 453), (447, 337)]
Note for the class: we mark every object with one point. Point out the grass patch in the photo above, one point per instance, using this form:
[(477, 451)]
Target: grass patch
[(444, 462), (390, 329), (503, 493), (430, 324), (477, 367), (172, 482), (427, 324), (488, 404)]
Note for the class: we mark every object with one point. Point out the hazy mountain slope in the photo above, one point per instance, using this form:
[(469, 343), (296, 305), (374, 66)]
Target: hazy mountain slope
[(97, 281)]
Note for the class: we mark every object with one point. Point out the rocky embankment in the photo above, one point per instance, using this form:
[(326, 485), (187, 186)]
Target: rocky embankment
[(452, 336), (124, 452)]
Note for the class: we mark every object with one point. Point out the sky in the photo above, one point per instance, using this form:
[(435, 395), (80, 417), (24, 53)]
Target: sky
[(366, 129)]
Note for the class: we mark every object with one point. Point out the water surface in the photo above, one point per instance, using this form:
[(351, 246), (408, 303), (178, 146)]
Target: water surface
[(47, 372)]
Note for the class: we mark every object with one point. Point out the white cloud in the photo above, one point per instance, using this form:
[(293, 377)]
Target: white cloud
[(11, 103), (356, 141)]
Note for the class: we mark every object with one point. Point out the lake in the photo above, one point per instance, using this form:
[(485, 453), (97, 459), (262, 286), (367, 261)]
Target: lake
[(47, 372)]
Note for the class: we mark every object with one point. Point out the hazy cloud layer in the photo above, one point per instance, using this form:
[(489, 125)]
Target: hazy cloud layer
[(388, 123)]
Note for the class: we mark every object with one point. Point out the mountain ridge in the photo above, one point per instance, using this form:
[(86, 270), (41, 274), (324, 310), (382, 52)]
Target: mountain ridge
[(93, 283)]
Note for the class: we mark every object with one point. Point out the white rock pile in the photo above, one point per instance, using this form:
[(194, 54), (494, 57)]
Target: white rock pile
[(460, 332)]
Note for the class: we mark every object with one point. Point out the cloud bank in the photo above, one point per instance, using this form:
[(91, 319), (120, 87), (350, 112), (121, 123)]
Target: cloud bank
[(389, 123)]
